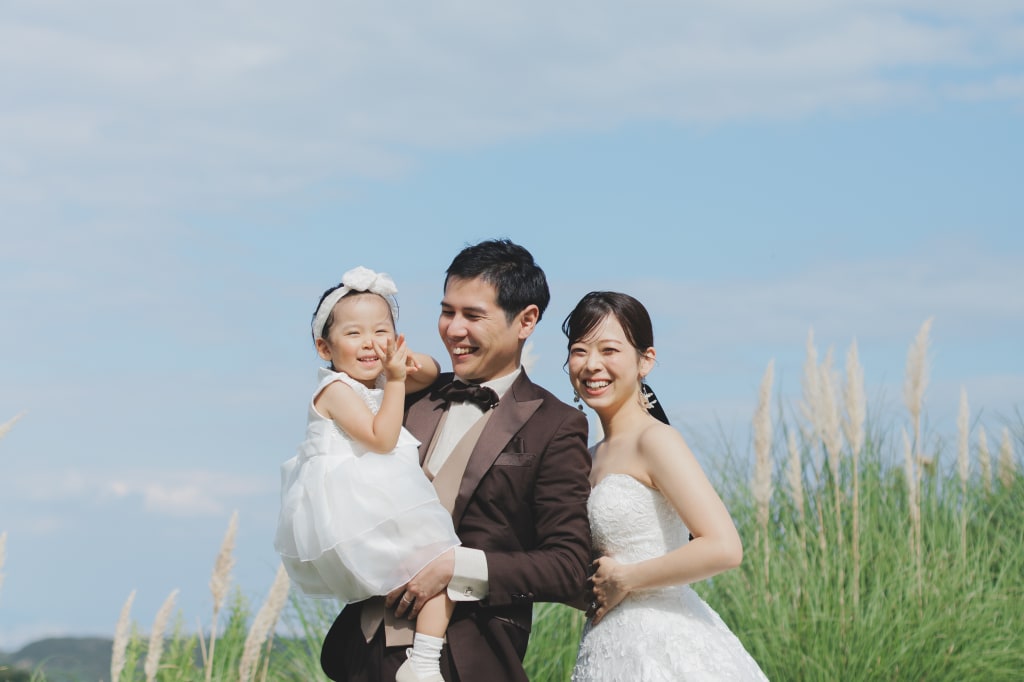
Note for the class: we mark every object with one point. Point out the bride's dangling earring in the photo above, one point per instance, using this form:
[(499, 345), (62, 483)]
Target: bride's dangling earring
[(576, 399), (646, 395)]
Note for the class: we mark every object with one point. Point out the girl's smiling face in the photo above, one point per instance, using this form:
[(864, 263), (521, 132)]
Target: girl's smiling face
[(358, 320)]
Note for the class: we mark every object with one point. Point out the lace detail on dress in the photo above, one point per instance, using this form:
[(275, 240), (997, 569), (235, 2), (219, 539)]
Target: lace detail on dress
[(371, 396), (659, 635)]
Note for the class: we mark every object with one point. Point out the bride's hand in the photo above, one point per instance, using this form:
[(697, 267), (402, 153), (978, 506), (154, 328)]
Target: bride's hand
[(610, 586)]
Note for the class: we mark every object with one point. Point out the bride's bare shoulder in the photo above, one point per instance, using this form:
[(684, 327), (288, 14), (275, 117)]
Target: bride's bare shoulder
[(657, 433), (661, 440)]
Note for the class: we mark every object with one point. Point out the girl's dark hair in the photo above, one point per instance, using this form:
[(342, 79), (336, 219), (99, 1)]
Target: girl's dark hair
[(630, 313), (329, 322)]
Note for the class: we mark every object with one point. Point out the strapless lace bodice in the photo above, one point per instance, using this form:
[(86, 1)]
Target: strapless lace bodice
[(631, 522), (657, 635)]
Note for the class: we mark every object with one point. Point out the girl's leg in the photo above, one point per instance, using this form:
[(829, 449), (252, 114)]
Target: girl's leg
[(425, 657), (434, 616)]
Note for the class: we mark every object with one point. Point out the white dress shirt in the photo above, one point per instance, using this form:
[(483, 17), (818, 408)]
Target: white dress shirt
[(469, 582)]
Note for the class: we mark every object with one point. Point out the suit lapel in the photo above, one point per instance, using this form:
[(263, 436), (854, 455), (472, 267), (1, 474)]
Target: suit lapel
[(421, 421), (513, 411)]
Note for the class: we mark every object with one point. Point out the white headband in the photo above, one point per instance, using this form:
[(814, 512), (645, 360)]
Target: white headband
[(356, 279)]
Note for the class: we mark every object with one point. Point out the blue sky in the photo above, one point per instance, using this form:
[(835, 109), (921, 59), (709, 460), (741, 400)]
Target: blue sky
[(178, 184)]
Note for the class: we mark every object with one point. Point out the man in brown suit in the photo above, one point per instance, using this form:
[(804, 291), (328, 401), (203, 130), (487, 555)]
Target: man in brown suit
[(514, 476)]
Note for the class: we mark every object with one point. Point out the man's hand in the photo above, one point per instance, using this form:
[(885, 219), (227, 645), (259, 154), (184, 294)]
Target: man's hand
[(409, 599)]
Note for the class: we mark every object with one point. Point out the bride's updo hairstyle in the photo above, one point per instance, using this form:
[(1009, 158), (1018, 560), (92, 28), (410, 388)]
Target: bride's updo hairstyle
[(595, 306), (630, 313)]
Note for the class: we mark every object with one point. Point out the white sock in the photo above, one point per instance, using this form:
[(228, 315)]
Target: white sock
[(426, 654)]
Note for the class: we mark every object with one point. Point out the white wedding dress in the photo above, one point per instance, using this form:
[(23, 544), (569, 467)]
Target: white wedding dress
[(665, 634)]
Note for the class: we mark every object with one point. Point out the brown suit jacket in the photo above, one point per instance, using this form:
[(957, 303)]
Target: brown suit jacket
[(523, 502)]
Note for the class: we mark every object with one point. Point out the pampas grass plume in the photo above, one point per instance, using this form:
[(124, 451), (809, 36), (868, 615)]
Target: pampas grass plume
[(810, 405), (220, 580), (853, 427), (914, 386), (263, 624), (831, 433), (855, 401), (762, 484), (795, 479), (913, 394), (963, 446), (156, 637), (794, 475), (830, 426), (916, 380), (984, 460), (6, 426), (219, 583), (1006, 464), (117, 656), (963, 469)]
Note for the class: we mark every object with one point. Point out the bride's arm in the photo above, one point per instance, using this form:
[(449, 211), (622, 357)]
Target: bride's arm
[(716, 545)]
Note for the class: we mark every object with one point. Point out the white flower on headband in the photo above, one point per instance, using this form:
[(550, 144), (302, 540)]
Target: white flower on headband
[(365, 279), (356, 279)]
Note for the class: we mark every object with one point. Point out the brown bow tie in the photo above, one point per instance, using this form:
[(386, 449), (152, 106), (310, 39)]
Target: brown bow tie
[(483, 397)]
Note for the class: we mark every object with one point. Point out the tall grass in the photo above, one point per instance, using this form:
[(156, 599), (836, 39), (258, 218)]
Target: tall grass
[(938, 571), (234, 650), (876, 562)]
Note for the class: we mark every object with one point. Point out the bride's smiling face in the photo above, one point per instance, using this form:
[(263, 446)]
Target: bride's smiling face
[(605, 368)]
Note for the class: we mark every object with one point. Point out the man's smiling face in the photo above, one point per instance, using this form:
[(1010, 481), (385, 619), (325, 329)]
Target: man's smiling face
[(481, 342)]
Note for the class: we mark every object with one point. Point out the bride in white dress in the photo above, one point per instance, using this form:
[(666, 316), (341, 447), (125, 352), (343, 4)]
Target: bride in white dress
[(649, 495)]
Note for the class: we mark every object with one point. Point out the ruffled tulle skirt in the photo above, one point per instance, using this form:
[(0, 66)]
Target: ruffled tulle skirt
[(356, 525)]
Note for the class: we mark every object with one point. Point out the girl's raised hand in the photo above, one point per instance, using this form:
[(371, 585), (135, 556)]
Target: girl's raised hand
[(394, 358)]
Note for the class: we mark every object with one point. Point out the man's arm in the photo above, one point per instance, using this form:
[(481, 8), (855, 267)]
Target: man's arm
[(556, 567)]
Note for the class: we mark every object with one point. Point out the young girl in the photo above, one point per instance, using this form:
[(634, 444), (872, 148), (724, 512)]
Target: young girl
[(358, 516)]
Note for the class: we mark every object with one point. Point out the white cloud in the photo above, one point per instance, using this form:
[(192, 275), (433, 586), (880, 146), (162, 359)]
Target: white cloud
[(1000, 87), (42, 525), (181, 500), (187, 492), (878, 299), (220, 101)]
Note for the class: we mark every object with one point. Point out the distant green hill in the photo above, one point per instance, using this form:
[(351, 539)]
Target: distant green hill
[(60, 659), (8, 674), (71, 659)]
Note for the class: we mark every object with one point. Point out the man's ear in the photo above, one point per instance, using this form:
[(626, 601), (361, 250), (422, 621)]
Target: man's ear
[(527, 320), (323, 350)]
